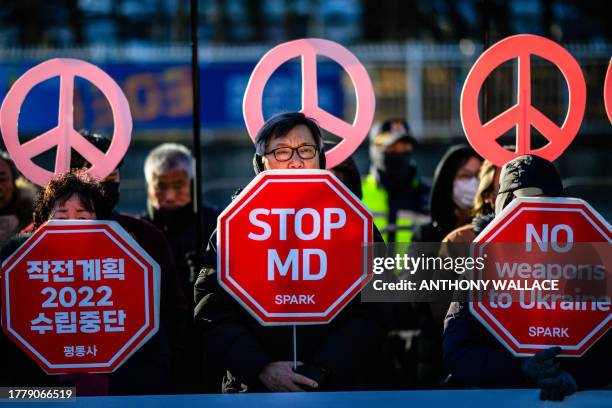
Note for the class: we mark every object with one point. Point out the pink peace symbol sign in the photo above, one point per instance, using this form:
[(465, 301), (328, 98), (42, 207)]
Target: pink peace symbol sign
[(608, 92), (64, 136), (483, 137), (352, 134)]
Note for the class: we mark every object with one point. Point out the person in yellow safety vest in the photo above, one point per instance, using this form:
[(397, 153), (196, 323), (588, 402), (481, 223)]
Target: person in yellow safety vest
[(393, 191)]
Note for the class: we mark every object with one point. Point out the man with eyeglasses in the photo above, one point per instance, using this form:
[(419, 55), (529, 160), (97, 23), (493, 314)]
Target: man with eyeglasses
[(337, 356), (289, 141)]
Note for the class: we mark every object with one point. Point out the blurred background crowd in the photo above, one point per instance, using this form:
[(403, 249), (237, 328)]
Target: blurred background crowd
[(417, 54)]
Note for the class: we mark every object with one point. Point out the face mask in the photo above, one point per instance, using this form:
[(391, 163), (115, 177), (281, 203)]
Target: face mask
[(111, 192), (169, 219), (464, 191), (397, 171), (396, 162)]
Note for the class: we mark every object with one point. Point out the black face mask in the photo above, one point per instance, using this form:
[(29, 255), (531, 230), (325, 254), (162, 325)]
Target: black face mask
[(167, 219), (111, 193), (397, 171)]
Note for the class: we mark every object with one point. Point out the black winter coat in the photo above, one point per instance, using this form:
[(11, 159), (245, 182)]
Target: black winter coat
[(347, 349), (477, 359), (179, 227)]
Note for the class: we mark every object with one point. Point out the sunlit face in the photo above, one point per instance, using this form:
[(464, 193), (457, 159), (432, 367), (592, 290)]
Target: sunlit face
[(170, 190), (71, 209), (469, 169), (297, 137), (6, 184)]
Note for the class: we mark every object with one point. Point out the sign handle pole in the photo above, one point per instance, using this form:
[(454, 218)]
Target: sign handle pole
[(294, 347), (195, 80)]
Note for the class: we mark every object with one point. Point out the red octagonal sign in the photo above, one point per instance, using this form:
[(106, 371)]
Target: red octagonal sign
[(80, 296), (293, 247), (535, 242)]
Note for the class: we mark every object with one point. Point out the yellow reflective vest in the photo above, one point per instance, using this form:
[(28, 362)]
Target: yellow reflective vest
[(377, 200)]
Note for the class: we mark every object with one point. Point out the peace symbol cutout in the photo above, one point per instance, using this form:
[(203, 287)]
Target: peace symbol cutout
[(64, 136), (352, 134), (483, 137)]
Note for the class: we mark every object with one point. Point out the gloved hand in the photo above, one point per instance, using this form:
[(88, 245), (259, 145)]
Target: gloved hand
[(540, 366), (558, 387)]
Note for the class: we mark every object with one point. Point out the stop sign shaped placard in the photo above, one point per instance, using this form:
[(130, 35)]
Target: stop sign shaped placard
[(535, 240), (80, 296), (293, 247)]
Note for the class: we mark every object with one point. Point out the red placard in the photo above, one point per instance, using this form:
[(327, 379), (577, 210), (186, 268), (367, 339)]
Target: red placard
[(537, 239), (293, 247), (80, 296)]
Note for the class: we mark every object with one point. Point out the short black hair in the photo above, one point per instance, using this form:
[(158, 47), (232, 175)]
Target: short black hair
[(281, 124)]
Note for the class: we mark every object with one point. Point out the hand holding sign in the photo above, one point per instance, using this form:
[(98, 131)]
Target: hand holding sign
[(64, 136), (352, 134), (482, 136)]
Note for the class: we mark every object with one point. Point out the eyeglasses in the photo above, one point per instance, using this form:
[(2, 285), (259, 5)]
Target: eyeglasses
[(283, 154)]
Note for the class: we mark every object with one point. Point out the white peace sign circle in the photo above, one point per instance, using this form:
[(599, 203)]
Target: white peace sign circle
[(64, 136), (352, 134)]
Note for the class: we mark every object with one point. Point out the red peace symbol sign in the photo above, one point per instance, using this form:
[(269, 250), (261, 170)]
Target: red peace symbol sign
[(483, 137), (64, 136), (608, 92), (352, 134)]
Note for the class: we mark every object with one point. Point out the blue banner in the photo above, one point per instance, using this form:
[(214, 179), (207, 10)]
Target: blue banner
[(389, 399), (159, 95)]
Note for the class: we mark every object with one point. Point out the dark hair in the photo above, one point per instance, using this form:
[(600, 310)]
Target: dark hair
[(64, 186), (347, 172), (4, 156), (441, 199), (100, 141), (281, 124)]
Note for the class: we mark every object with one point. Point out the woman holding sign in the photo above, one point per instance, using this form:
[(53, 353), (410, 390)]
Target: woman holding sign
[(76, 196), (68, 196), (335, 356)]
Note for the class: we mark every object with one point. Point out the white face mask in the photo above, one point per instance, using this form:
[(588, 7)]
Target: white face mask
[(464, 191)]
